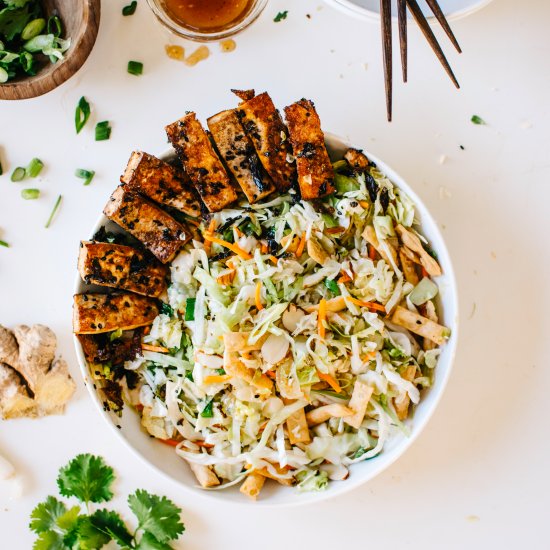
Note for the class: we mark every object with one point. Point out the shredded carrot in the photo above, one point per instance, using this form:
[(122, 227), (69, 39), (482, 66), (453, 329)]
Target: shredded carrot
[(372, 252), (344, 278), (231, 246), (330, 380), (239, 232), (216, 378), (301, 246), (246, 355), (171, 442), (424, 272), (271, 374), (364, 204), (146, 331), (332, 230), (209, 232), (159, 349), (371, 305), (258, 296), (226, 279), (274, 259), (203, 444), (322, 315), (263, 248), (369, 356)]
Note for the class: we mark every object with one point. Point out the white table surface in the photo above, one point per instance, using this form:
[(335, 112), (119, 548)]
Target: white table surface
[(478, 475)]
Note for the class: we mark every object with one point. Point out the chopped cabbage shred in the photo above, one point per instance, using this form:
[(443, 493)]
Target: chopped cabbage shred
[(226, 398)]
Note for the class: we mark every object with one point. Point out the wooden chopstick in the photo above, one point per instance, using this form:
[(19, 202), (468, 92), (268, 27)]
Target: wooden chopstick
[(440, 16), (385, 19), (402, 22), (430, 37)]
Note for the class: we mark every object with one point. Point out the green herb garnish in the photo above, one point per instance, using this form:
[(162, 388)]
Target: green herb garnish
[(477, 120), (18, 174), (135, 67), (86, 175), (88, 479), (30, 194), (130, 9), (102, 131), (55, 209), (34, 168), (82, 114), (4, 244), (332, 285), (166, 309), (280, 16), (208, 411), (190, 309)]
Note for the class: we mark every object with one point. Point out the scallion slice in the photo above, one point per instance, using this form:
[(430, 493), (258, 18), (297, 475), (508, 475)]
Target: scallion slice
[(30, 194), (332, 285), (102, 131), (54, 26), (18, 174), (190, 309), (130, 9), (34, 168), (55, 209), (135, 68), (82, 114), (4, 244), (86, 175)]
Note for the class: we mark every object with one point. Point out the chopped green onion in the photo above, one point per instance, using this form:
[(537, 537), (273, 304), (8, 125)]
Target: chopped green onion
[(208, 412), (135, 67), (18, 174), (82, 114), (3, 75), (189, 375), (130, 9), (332, 285), (115, 334), (33, 28), (280, 16), (86, 175), (27, 62), (221, 372), (102, 131), (30, 194), (54, 26), (190, 309), (166, 309), (477, 120), (55, 208), (34, 168), (4, 244)]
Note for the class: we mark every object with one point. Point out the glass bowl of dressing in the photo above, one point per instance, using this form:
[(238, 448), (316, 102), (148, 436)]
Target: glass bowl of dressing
[(206, 20)]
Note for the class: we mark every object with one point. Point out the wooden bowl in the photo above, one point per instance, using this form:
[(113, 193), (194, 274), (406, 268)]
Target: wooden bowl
[(80, 22)]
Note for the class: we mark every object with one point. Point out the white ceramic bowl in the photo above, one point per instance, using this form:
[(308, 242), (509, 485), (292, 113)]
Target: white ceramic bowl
[(163, 458), (370, 9)]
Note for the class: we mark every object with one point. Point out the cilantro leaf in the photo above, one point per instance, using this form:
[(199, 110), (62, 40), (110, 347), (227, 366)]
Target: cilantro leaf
[(87, 478), (476, 119), (111, 524), (149, 542), (280, 16), (13, 21), (45, 515), (50, 540), (157, 515)]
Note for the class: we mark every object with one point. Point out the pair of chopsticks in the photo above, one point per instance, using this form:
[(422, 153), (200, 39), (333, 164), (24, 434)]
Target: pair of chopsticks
[(385, 17)]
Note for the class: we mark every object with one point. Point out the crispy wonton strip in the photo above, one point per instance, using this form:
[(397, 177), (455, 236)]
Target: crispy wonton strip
[(296, 425), (410, 240), (409, 269), (401, 403), (430, 313), (252, 485), (420, 325), (205, 476), (358, 403), (323, 413), (370, 236)]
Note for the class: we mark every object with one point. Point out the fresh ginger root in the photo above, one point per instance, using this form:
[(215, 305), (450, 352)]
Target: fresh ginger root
[(33, 382)]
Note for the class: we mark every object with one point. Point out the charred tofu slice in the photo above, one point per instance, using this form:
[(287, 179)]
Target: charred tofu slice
[(315, 173), (264, 126), (357, 159), (96, 313), (123, 267), (162, 183), (157, 230), (201, 162), (240, 156)]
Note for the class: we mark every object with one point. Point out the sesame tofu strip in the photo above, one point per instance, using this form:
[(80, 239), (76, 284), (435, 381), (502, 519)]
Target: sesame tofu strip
[(358, 404), (420, 325), (201, 162), (119, 266), (96, 313), (264, 126), (357, 159), (239, 155), (156, 229), (162, 183), (326, 412), (315, 172), (252, 485)]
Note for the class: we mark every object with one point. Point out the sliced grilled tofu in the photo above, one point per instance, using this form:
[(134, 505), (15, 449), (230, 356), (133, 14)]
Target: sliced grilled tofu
[(357, 159), (315, 172), (264, 126), (156, 229), (240, 156), (161, 182), (201, 162), (96, 313), (119, 266)]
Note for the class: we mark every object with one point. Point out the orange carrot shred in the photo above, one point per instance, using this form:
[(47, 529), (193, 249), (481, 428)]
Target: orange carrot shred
[(258, 296), (330, 380), (424, 272), (171, 442), (216, 378), (233, 247), (159, 349), (322, 315), (372, 252), (301, 246), (344, 278), (371, 305)]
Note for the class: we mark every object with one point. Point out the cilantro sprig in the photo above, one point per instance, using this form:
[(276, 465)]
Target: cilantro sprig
[(89, 479)]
